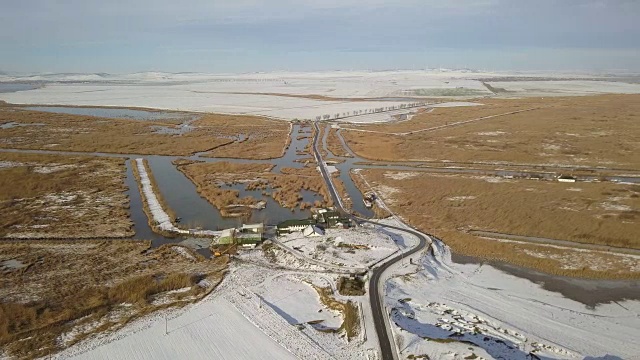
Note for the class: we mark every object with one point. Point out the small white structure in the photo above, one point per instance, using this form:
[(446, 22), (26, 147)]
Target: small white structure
[(252, 228), (566, 178), (312, 230)]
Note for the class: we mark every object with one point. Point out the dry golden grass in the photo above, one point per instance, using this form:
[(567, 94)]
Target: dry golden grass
[(359, 182), (308, 150), (89, 134), (284, 188), (596, 131), (265, 137), (323, 131), (444, 116), (291, 181), (449, 205), (209, 176), (334, 144), (548, 259), (262, 138), (109, 284), (342, 191), (55, 196), (350, 319)]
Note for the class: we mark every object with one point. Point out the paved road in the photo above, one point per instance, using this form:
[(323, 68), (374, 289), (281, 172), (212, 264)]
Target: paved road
[(376, 290), (457, 123)]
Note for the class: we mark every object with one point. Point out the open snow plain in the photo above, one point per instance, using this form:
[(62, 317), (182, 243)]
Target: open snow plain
[(454, 311), (260, 311), (297, 95)]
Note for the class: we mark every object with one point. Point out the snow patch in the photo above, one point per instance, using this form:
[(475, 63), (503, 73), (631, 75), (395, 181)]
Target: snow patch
[(400, 175), (443, 300), (615, 207), (460, 198), (491, 133)]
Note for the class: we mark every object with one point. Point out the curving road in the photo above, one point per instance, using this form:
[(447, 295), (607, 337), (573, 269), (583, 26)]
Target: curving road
[(376, 289)]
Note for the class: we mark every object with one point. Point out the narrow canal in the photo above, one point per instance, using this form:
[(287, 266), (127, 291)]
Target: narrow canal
[(181, 195)]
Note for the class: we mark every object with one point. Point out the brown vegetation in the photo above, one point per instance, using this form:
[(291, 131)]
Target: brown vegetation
[(351, 286), (449, 205), (262, 138), (288, 184), (66, 132), (349, 311), (335, 145), (360, 183), (284, 188), (55, 196), (342, 191), (208, 178), (594, 130), (308, 150), (48, 304), (254, 137), (321, 135)]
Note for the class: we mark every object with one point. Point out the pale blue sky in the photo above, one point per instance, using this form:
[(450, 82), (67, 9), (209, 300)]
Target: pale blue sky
[(298, 35)]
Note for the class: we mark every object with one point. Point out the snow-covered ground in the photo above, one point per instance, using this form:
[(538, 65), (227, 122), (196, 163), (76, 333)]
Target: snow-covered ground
[(159, 215), (297, 301), (249, 316), (350, 248), (246, 93), (261, 310), (267, 308), (452, 311), (211, 329), (564, 88)]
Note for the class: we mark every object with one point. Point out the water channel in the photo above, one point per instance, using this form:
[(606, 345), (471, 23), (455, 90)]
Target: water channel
[(589, 292), (181, 196)]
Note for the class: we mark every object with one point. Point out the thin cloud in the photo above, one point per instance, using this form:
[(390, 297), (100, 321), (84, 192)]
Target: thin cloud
[(66, 30)]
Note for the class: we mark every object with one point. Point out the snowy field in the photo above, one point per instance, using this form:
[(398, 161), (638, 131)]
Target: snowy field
[(349, 248), (260, 311), (477, 310), (297, 301), (209, 330), (564, 88), (260, 93), (438, 308)]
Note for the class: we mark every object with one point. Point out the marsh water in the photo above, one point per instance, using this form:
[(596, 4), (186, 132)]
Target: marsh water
[(181, 196), (589, 292)]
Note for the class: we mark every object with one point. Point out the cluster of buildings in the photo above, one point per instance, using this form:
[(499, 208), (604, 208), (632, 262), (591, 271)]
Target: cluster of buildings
[(315, 225), (247, 236), (250, 235)]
